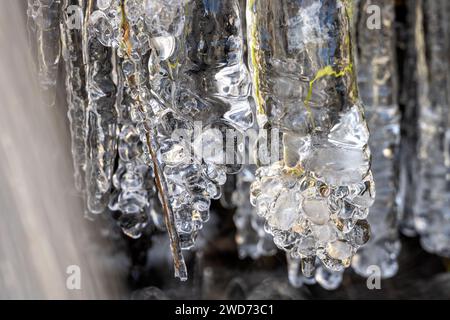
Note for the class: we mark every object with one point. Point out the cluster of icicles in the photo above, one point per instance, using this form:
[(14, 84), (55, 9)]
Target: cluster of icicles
[(139, 72)]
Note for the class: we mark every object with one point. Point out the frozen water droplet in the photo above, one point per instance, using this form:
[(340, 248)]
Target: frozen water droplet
[(101, 27), (306, 247), (339, 250), (285, 211), (308, 265), (329, 280), (177, 154), (360, 233), (200, 203), (351, 131), (165, 46), (316, 210), (209, 146), (323, 233), (103, 4)]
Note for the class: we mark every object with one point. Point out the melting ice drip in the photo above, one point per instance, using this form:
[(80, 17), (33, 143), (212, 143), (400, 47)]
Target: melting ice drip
[(316, 199)]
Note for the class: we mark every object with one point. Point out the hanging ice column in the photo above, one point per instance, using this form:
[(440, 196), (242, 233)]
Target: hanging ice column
[(101, 112), (377, 79), (251, 238), (408, 179), (43, 23), (72, 53), (316, 198), (432, 206), (198, 81)]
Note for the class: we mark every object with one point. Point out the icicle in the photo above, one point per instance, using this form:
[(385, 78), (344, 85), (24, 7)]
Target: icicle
[(409, 124), (134, 177), (251, 238), (316, 198), (72, 53), (119, 27), (44, 19), (195, 75), (327, 279), (304, 271), (431, 210), (101, 114), (295, 276), (377, 81)]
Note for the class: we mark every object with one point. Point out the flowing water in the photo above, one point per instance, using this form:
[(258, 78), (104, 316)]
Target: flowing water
[(42, 230)]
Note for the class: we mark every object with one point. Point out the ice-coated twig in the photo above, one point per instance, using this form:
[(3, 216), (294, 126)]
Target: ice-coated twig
[(377, 79), (133, 179), (179, 264), (195, 75), (316, 199)]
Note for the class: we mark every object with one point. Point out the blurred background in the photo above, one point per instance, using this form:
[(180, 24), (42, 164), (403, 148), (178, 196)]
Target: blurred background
[(43, 230)]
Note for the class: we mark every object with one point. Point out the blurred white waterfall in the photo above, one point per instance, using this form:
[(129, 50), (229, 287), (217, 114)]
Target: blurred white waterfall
[(42, 228)]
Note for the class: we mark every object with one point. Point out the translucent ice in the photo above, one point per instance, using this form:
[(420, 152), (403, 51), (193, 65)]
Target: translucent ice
[(305, 86)]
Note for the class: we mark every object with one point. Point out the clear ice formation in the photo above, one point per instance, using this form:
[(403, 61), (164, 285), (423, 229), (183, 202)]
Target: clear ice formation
[(432, 205), (137, 74), (71, 52), (143, 77), (102, 116), (316, 199), (253, 241), (197, 76), (300, 273), (377, 80), (44, 28)]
